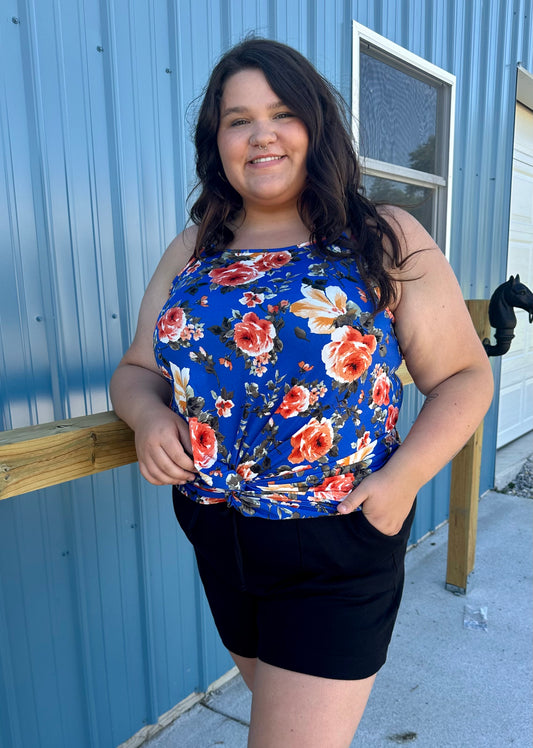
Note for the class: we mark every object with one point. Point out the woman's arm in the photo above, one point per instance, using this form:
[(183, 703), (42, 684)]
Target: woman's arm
[(141, 395), (448, 364)]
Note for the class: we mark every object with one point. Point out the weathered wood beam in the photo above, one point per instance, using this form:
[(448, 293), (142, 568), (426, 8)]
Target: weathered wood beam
[(36, 457)]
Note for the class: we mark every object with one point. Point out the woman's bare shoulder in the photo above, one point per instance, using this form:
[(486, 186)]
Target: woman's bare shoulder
[(418, 251), (411, 235), (176, 256), (180, 250)]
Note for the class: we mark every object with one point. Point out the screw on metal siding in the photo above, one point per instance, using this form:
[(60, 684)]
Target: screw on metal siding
[(15, 20), (114, 315), (168, 70), (99, 48), (38, 318)]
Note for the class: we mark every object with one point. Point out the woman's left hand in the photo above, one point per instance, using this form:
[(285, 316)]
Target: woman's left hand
[(448, 364), (383, 503)]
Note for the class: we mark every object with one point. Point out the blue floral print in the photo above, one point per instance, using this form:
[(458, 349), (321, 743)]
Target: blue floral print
[(285, 375)]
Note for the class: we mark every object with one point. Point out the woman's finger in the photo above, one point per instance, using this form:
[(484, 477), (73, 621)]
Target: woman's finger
[(352, 501), (159, 467), (177, 454)]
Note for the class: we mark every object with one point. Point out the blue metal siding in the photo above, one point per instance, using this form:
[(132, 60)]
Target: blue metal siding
[(103, 623)]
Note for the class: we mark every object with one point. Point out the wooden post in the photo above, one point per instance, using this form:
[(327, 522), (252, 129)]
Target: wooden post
[(464, 489)]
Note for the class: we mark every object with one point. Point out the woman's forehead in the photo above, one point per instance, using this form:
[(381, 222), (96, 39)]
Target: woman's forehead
[(247, 84)]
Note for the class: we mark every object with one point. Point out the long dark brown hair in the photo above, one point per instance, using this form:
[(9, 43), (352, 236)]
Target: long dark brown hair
[(331, 204)]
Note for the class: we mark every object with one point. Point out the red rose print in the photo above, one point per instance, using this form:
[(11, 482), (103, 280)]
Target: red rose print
[(271, 261), (254, 336), (204, 443), (171, 325), (392, 417), (236, 274), (380, 393), (349, 354), (245, 471), (312, 441), (334, 488), (295, 401)]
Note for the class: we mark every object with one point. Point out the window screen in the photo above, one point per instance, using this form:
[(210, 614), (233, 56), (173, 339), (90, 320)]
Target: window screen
[(397, 116), (403, 112)]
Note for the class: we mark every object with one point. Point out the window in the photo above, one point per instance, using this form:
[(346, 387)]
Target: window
[(403, 109)]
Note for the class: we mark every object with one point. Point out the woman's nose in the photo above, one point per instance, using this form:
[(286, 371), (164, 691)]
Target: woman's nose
[(262, 136)]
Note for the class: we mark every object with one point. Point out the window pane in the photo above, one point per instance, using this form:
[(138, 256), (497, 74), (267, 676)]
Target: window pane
[(397, 116), (416, 200)]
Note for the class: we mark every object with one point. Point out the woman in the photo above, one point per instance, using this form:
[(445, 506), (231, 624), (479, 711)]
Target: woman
[(290, 300)]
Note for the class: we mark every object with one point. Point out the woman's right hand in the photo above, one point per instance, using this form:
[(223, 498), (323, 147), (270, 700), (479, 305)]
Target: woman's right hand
[(163, 445), (140, 392)]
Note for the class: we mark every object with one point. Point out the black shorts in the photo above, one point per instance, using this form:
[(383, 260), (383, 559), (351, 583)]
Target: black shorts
[(317, 595)]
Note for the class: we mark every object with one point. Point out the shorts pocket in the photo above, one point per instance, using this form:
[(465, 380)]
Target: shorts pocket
[(366, 526)]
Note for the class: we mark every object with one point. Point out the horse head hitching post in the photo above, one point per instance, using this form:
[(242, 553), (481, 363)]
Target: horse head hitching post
[(510, 294)]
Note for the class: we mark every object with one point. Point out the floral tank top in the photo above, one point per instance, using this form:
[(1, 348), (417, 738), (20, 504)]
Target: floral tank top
[(286, 376)]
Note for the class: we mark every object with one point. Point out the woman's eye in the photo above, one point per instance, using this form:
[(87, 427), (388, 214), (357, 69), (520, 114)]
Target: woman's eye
[(283, 115), (238, 122)]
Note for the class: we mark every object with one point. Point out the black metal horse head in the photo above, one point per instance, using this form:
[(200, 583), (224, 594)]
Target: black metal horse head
[(510, 294)]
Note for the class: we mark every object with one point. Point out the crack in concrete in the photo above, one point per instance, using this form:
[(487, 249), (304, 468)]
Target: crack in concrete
[(224, 714)]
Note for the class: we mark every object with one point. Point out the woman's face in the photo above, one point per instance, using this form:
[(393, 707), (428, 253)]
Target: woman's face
[(262, 144)]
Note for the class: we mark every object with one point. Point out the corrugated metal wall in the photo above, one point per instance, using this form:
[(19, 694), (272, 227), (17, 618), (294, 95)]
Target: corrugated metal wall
[(103, 625)]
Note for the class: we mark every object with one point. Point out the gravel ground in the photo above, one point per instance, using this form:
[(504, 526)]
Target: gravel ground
[(522, 485)]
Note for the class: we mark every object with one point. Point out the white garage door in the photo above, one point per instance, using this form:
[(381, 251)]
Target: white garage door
[(515, 416)]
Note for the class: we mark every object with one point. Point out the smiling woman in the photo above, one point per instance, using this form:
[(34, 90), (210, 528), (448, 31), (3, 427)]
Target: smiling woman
[(295, 283), (262, 146)]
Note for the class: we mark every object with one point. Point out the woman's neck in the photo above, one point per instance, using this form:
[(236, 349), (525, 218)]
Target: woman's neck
[(266, 231)]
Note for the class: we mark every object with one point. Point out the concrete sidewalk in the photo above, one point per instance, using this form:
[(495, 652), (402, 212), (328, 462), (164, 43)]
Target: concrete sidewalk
[(444, 685)]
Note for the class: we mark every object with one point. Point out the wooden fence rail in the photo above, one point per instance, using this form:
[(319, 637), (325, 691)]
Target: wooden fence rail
[(36, 457)]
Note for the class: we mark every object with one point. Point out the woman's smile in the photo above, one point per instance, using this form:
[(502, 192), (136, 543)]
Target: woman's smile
[(265, 160)]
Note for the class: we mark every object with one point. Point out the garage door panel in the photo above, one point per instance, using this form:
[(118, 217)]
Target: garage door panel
[(510, 401), (515, 416), (515, 405), (522, 184)]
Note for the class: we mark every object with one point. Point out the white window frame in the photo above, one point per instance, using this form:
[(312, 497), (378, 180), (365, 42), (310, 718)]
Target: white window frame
[(405, 60)]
